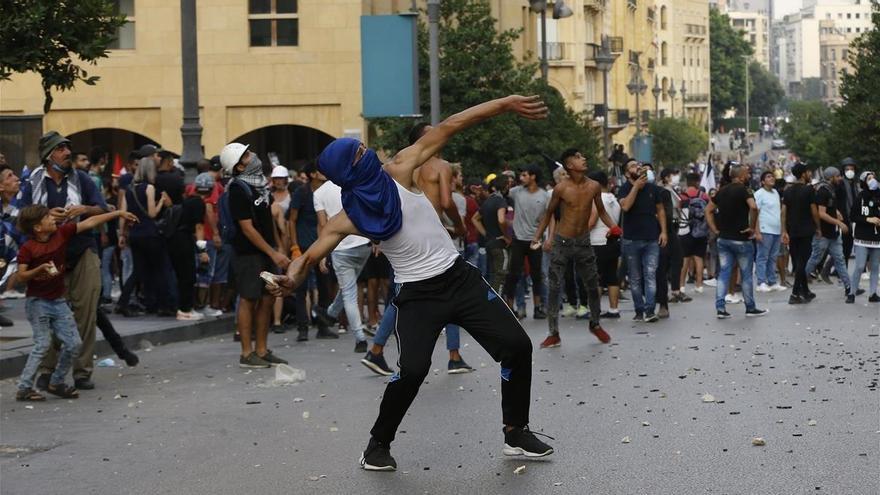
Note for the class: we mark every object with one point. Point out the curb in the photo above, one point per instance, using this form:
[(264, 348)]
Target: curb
[(11, 366)]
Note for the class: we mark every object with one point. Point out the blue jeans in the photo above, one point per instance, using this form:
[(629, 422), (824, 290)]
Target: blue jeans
[(389, 319), (48, 318), (348, 263), (768, 251), (205, 274), (221, 264), (642, 258), (743, 254), (835, 250), (472, 254), (107, 271), (863, 255)]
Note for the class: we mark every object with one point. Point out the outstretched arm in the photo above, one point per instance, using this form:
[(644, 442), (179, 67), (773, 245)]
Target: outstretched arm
[(96, 220), (408, 159), (334, 231)]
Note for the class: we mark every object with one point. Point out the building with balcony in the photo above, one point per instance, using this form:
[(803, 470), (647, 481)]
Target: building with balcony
[(833, 60), (755, 29)]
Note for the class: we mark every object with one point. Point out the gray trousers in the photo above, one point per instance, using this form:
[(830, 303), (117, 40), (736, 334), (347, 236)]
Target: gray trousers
[(581, 254)]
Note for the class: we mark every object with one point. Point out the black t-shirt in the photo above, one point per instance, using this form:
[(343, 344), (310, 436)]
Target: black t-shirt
[(733, 211), (257, 209), (192, 213), (825, 196), (640, 222), (798, 214), (171, 182), (489, 215), (306, 217)]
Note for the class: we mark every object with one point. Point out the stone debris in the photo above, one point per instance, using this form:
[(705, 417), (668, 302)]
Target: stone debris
[(708, 398), (519, 470), (625, 440), (758, 442)]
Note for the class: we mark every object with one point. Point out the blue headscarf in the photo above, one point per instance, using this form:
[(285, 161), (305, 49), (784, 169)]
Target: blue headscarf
[(369, 194)]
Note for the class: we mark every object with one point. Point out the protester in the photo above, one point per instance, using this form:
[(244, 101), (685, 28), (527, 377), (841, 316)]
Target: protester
[(770, 225), (207, 298), (280, 204), (607, 248), (188, 233), (831, 227), (529, 207), (669, 261), (491, 222), (866, 236)]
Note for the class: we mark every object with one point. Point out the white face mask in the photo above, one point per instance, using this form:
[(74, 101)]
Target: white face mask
[(873, 184), (849, 174), (676, 180)]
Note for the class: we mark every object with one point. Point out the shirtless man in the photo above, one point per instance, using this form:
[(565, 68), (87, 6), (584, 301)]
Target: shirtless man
[(578, 195), (434, 179), (437, 285)]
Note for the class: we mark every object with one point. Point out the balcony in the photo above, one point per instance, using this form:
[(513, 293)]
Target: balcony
[(695, 31), (632, 4), (596, 6), (697, 98), (555, 51), (615, 44)]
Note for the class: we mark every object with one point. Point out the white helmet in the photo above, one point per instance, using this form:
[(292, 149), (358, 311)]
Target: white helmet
[(280, 172), (231, 154)]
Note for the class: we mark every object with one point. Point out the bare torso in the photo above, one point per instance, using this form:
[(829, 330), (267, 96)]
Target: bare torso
[(427, 178), (577, 204)]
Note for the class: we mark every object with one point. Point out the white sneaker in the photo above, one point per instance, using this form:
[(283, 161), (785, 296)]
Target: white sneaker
[(208, 311), (569, 311), (582, 311), (698, 290), (14, 294), (865, 277), (191, 316), (762, 288), (733, 299), (778, 288), (711, 282)]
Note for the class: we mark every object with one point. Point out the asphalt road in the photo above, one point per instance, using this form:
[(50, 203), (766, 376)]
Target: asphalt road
[(189, 421)]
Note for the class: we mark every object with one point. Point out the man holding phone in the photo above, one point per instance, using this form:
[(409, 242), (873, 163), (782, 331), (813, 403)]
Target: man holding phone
[(644, 233)]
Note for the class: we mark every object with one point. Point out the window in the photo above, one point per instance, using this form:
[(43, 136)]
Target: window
[(125, 33), (833, 54), (844, 54), (848, 16), (858, 15), (663, 18), (663, 53), (273, 22)]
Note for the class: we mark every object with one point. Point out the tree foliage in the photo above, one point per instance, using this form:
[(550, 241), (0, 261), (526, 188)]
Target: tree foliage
[(765, 92), (857, 121), (51, 37), (809, 134), (727, 50), (676, 142), (477, 64)]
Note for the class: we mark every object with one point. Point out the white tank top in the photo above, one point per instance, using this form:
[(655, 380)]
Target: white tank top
[(422, 248)]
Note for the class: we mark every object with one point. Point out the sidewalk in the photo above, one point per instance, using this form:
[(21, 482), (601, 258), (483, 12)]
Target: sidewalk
[(16, 341)]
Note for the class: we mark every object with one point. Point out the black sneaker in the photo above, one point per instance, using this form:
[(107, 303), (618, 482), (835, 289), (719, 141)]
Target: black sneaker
[(756, 312), (610, 315), (539, 313), (272, 359), (850, 298), (277, 329), (377, 457), (874, 298), (796, 299), (83, 383), (810, 296), (326, 333), (651, 318), (129, 357), (722, 315), (639, 317), (377, 364), (859, 292), (360, 347), (458, 367), (522, 441), (302, 333), (319, 315)]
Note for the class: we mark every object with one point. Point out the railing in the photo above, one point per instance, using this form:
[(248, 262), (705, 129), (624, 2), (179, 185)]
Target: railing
[(555, 50), (594, 5), (696, 98), (590, 51), (615, 44), (632, 4), (695, 29)]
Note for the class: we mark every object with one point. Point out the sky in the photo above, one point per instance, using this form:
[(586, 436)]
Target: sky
[(785, 7)]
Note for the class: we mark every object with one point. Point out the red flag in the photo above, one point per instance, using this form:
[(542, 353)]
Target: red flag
[(117, 165)]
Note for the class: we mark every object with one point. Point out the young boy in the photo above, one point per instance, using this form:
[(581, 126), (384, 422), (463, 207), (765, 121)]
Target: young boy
[(41, 262)]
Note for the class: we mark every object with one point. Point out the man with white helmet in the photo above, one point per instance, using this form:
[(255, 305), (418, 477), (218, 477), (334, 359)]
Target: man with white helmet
[(255, 251)]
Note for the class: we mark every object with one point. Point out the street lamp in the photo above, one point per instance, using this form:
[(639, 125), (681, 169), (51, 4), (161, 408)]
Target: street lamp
[(560, 11), (637, 87), (672, 92), (656, 91), (604, 62), (684, 113)]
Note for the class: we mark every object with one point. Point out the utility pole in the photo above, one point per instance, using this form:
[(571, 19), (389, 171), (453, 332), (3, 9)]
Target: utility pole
[(747, 99), (545, 66), (191, 130), (434, 58)]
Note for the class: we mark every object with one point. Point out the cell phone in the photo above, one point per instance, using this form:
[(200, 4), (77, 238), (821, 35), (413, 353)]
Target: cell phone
[(269, 279)]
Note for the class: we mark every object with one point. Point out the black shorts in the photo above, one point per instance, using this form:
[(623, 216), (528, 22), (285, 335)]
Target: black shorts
[(246, 270), (377, 267), (693, 246), (607, 259)]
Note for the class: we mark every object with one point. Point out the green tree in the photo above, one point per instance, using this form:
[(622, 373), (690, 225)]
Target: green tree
[(477, 64), (51, 37), (857, 121), (765, 92), (676, 141), (808, 133), (727, 50)]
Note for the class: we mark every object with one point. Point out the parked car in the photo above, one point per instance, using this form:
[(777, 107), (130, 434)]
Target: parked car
[(779, 144)]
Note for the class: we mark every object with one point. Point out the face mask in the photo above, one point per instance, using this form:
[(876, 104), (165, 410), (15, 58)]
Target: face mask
[(702, 167), (849, 174), (676, 179), (873, 184), (650, 176), (61, 170)]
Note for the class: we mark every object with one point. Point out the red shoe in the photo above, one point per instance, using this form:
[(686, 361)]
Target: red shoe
[(601, 334), (552, 341)]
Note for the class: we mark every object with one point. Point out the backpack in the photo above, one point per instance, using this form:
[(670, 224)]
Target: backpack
[(169, 221), (225, 223), (697, 217)]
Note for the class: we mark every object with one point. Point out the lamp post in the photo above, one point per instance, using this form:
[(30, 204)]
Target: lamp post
[(191, 130), (604, 62), (560, 11), (672, 92), (434, 58), (684, 113), (656, 92), (637, 87)]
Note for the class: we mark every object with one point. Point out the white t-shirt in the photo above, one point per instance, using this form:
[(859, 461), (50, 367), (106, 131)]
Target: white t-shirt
[(422, 248), (328, 198), (600, 230)]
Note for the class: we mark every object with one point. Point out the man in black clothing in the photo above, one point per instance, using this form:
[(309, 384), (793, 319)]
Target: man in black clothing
[(168, 179), (831, 226), (799, 222), (491, 223)]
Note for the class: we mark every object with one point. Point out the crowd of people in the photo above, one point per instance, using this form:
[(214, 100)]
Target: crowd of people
[(565, 234)]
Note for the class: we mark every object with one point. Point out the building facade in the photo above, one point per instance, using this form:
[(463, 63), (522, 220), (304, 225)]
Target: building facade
[(833, 59), (755, 28)]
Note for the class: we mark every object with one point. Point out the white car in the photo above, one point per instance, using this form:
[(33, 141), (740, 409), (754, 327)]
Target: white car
[(778, 144)]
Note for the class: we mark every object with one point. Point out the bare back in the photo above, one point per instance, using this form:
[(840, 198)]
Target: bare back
[(427, 178), (577, 204)]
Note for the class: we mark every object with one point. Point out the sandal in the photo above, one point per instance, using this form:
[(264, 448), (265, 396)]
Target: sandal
[(29, 395), (63, 390)]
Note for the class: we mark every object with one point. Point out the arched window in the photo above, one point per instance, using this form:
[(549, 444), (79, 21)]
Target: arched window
[(665, 86), (663, 52), (663, 18)]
